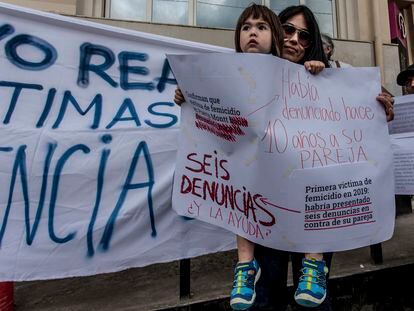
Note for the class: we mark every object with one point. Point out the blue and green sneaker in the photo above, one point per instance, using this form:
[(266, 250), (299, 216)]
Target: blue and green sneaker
[(311, 291), (246, 275)]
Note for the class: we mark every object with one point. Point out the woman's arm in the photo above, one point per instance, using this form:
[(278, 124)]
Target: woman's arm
[(387, 102)]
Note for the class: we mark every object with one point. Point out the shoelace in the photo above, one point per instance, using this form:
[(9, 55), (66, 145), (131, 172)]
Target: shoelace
[(319, 277), (246, 280)]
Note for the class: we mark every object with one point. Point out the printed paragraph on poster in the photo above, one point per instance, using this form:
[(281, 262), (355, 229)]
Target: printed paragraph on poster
[(339, 205)]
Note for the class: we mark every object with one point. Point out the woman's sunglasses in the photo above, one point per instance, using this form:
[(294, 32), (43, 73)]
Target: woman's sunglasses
[(304, 37)]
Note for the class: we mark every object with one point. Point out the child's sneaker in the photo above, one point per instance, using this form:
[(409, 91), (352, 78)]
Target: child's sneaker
[(311, 291), (243, 294)]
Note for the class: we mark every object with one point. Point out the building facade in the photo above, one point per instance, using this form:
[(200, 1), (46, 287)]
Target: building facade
[(367, 32)]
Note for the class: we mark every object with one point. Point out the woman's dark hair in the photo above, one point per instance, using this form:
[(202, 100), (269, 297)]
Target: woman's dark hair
[(260, 11), (315, 50)]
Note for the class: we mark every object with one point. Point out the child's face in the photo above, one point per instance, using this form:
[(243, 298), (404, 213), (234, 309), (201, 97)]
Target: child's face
[(255, 36), (297, 38)]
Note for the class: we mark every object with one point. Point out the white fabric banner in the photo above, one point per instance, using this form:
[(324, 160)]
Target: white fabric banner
[(88, 147), (284, 158)]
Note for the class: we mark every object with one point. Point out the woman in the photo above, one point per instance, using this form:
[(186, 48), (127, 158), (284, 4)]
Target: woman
[(302, 43)]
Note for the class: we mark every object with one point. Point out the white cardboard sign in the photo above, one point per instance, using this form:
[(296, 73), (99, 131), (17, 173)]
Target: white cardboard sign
[(286, 159)]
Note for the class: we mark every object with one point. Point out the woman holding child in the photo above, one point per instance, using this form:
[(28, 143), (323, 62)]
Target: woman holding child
[(296, 37)]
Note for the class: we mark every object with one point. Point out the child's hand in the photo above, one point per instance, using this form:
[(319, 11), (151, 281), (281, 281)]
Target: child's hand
[(314, 66), (178, 97), (387, 102)]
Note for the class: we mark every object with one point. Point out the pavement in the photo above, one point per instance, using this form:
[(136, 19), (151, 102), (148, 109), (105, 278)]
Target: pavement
[(156, 287)]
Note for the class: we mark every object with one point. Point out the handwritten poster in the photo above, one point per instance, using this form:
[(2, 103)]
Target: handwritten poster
[(88, 147), (283, 158)]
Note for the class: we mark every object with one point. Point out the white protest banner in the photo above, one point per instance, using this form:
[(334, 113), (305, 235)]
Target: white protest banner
[(281, 157), (88, 147)]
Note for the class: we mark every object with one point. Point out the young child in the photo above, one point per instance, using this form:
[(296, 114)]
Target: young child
[(258, 30)]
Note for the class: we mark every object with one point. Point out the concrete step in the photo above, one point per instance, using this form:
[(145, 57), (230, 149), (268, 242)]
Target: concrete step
[(356, 283)]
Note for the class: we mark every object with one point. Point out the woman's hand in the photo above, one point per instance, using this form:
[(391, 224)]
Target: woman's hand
[(178, 97), (387, 102), (314, 66)]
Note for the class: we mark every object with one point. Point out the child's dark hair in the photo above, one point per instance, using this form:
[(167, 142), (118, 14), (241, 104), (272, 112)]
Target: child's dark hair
[(315, 50), (260, 11)]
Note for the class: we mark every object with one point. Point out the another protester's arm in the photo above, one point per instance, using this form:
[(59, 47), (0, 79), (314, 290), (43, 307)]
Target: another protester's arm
[(387, 102), (178, 96)]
